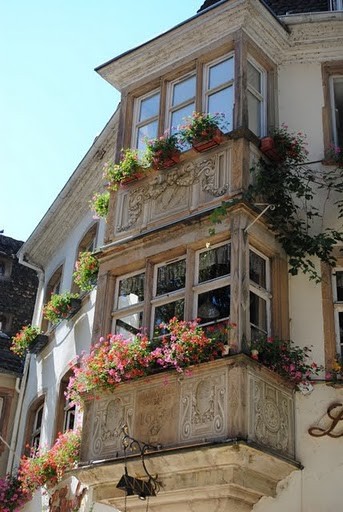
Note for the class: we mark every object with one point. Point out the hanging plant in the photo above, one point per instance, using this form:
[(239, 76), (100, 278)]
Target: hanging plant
[(99, 204), (24, 338), (86, 271), (290, 186)]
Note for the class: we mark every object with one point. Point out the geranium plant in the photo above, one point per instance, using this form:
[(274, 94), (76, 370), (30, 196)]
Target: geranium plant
[(285, 358), (116, 359), (287, 147), (163, 151), (334, 155), (48, 466), (59, 306), (99, 204), (129, 166), (202, 127), (86, 271), (12, 496), (24, 338)]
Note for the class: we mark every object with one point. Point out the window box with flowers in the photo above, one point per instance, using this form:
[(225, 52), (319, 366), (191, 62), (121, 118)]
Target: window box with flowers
[(130, 168), (203, 131), (163, 152), (116, 359), (29, 339), (284, 146), (334, 156), (47, 467), (86, 271), (61, 307)]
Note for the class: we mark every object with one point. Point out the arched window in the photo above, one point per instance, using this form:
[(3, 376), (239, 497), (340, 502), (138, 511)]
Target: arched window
[(34, 426), (87, 244), (66, 410)]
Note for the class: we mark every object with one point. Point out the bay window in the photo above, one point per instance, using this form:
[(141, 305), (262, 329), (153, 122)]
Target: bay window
[(208, 87)]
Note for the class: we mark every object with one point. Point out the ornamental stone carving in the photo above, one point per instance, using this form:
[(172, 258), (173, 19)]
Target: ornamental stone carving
[(176, 191)]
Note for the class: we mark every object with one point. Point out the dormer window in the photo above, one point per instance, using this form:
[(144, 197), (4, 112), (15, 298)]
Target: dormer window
[(336, 5)]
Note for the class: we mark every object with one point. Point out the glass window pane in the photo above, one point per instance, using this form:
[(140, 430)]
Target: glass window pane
[(148, 131), (130, 325), (214, 263), (338, 101), (340, 319), (258, 312), (339, 285), (257, 269), (178, 117), (131, 291), (164, 313), (149, 107), (214, 304), (254, 114), (184, 91), (222, 102), (221, 73), (39, 417), (254, 77), (171, 277)]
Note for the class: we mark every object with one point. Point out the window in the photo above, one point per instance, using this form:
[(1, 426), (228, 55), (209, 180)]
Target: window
[(336, 95), (338, 308), (259, 294), (181, 101), (87, 244), (53, 287), (5, 268), (6, 396), (336, 5), (146, 119), (208, 88), (219, 89), (164, 296), (256, 79), (36, 428)]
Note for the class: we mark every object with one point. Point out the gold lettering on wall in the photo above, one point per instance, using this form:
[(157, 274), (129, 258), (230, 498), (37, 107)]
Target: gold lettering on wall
[(334, 415)]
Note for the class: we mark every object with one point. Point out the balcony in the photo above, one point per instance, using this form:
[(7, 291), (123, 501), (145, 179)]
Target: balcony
[(224, 432)]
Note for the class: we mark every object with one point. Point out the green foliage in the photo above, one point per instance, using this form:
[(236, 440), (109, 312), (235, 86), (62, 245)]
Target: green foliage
[(129, 165), (290, 186), (99, 204), (86, 271), (23, 339)]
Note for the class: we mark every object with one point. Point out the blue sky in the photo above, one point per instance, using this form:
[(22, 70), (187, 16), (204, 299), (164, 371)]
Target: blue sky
[(52, 102)]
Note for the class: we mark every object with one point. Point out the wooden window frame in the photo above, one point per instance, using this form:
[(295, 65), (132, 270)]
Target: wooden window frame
[(5, 413), (261, 96), (263, 293), (36, 405), (330, 70), (169, 95), (136, 124)]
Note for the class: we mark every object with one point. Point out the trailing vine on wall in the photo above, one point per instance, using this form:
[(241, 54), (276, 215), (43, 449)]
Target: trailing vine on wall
[(289, 184)]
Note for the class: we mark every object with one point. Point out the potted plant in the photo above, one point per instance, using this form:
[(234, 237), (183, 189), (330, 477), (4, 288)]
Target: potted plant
[(48, 467), (99, 204), (28, 338), (86, 271), (130, 168), (333, 156), (284, 146), (61, 306), (203, 131), (163, 152)]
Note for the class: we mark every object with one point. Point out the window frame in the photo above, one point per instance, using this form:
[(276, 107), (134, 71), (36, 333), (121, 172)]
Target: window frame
[(332, 79), (263, 293), (170, 108), (338, 308), (131, 309), (136, 124), (330, 71), (336, 5), (262, 96)]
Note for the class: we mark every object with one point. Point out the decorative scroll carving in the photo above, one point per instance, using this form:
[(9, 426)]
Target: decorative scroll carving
[(109, 416), (270, 415), (204, 407), (155, 411), (166, 188), (335, 415)]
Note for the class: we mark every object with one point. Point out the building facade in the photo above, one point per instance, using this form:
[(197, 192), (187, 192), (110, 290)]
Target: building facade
[(232, 435)]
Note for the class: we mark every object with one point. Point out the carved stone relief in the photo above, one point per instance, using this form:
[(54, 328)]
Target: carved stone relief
[(156, 414), (271, 416), (173, 189), (203, 407), (109, 415)]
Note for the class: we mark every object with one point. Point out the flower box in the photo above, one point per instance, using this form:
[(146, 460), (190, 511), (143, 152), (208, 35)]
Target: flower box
[(134, 177), (201, 145), (165, 163), (38, 343), (75, 305), (269, 149)]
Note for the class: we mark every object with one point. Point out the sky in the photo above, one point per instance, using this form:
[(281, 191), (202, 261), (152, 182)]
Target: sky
[(52, 102)]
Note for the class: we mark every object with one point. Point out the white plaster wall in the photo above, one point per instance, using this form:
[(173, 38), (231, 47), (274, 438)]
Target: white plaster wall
[(316, 488), (300, 99), (69, 339)]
